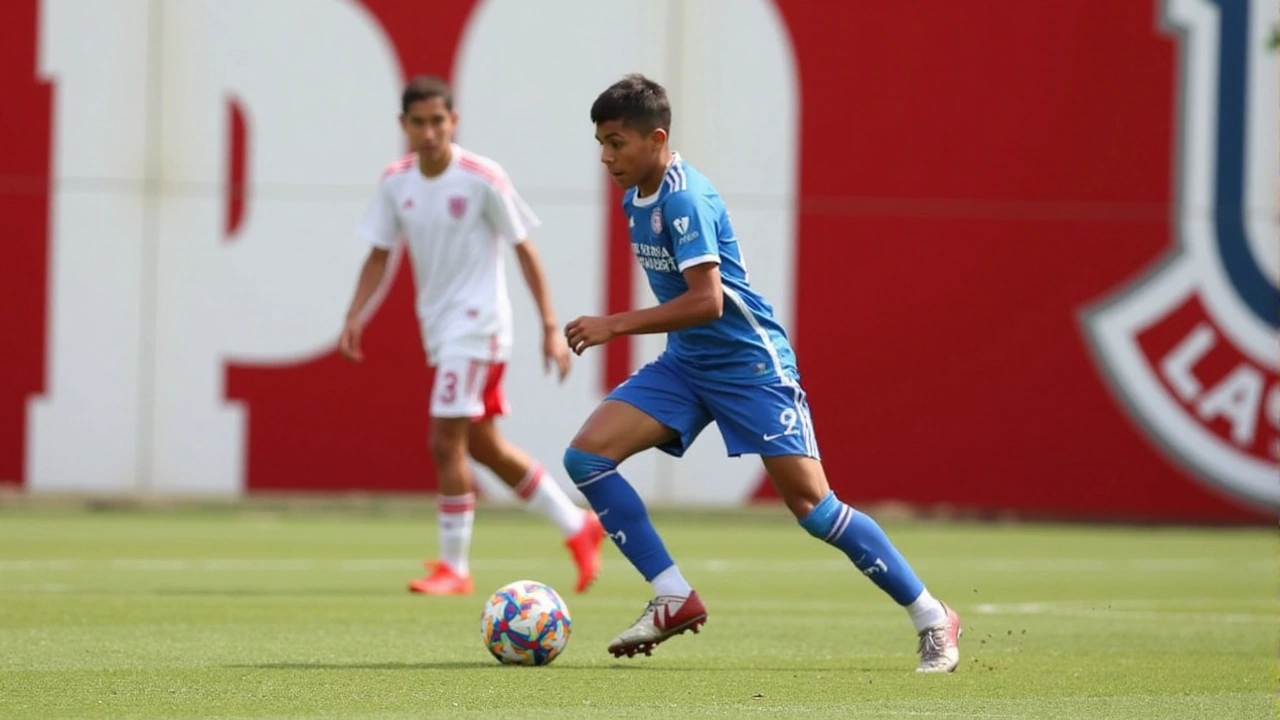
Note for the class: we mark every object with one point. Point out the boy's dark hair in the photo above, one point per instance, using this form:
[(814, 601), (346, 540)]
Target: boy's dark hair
[(640, 103), (425, 87)]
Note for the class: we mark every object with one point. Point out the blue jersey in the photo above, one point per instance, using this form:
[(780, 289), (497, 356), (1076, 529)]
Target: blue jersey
[(686, 224)]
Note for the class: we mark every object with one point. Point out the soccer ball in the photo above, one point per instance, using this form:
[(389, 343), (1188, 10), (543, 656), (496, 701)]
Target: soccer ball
[(525, 623)]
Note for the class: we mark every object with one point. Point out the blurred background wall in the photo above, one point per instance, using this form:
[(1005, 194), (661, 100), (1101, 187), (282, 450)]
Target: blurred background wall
[(1027, 251)]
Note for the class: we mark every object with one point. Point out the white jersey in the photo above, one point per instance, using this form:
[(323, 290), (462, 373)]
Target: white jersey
[(456, 226)]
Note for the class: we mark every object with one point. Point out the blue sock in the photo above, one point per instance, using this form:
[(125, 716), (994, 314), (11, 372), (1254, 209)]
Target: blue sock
[(859, 537), (620, 510)]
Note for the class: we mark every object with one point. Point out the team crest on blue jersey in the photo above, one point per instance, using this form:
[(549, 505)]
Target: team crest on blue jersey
[(1191, 348), (655, 221)]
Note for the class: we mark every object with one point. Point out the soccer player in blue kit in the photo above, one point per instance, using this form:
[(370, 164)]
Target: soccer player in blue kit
[(727, 360)]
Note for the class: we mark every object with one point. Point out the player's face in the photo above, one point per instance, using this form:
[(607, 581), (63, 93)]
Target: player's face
[(429, 127), (629, 155)]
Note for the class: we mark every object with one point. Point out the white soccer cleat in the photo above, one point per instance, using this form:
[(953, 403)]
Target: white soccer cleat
[(665, 617), (939, 646)]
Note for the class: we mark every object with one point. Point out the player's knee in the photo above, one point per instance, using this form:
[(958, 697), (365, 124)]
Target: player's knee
[(488, 455), (587, 442), (595, 441), (582, 465), (486, 448), (800, 482), (447, 443), (802, 500), (801, 507), (448, 450), (823, 516)]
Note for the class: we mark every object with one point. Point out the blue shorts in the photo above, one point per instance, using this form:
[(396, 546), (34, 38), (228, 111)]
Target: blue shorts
[(766, 420)]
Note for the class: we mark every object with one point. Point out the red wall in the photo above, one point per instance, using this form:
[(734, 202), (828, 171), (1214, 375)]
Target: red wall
[(24, 173), (971, 178)]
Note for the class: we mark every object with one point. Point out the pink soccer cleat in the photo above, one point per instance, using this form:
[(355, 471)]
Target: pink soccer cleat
[(939, 646)]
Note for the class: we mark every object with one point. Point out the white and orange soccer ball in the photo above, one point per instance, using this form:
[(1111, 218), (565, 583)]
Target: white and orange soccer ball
[(525, 623)]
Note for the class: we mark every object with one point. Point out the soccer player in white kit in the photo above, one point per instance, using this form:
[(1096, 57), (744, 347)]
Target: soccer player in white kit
[(458, 212)]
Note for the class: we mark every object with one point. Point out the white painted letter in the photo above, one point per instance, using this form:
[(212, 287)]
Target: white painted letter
[(84, 432), (319, 85)]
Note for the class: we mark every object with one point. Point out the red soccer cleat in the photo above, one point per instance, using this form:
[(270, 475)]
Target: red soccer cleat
[(585, 548), (665, 617), (442, 580)]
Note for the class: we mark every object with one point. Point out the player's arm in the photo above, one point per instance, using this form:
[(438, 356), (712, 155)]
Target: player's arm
[(380, 227), (702, 303), (697, 255), (372, 274), (553, 347), (512, 220)]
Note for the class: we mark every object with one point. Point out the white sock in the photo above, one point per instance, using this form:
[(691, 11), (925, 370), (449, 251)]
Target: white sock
[(926, 612), (456, 515), (671, 582), (542, 495)]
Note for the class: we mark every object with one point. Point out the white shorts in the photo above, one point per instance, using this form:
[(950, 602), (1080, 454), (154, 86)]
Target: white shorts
[(486, 348), (468, 388)]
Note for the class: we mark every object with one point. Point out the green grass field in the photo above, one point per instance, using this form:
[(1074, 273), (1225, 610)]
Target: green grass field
[(243, 613)]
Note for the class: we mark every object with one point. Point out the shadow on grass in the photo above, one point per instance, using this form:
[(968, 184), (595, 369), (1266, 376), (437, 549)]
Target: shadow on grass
[(451, 665), (269, 592), (557, 667)]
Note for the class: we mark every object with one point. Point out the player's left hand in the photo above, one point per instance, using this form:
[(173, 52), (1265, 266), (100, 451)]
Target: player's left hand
[(555, 353), (588, 332)]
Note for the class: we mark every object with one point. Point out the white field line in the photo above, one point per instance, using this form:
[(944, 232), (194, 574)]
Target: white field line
[(1118, 611), (1126, 611), (988, 565)]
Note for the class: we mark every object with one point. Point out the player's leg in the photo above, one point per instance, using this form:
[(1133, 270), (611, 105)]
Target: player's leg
[(531, 482), (453, 405), (614, 432), (526, 476), (774, 422), (802, 483), (652, 409)]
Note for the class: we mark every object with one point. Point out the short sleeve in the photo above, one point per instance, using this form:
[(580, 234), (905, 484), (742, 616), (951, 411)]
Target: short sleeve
[(693, 230), (380, 226), (507, 212)]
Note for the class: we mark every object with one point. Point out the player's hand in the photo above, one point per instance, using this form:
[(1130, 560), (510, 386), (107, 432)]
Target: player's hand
[(555, 353), (588, 332), (349, 343)]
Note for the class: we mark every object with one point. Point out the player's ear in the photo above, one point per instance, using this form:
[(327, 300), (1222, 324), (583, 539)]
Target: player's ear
[(658, 137)]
